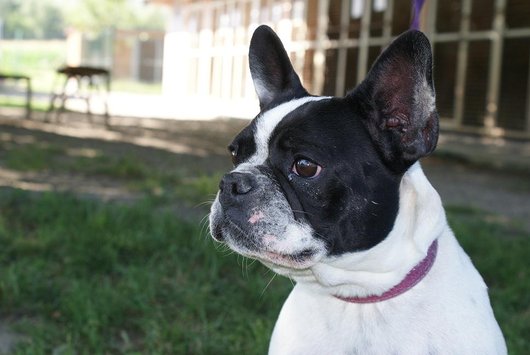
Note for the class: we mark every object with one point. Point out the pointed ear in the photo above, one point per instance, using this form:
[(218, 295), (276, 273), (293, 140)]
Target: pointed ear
[(398, 101), (271, 69)]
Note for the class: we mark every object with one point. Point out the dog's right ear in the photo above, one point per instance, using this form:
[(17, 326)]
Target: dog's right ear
[(272, 72), (398, 98)]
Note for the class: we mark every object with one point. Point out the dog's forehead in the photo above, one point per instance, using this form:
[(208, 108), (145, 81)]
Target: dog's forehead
[(265, 124)]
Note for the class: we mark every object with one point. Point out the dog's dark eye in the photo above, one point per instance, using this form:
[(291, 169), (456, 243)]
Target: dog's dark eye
[(306, 168), (233, 155)]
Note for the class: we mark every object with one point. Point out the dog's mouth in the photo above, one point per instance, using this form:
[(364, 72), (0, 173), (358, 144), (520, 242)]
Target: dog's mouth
[(297, 260), (256, 248), (270, 236)]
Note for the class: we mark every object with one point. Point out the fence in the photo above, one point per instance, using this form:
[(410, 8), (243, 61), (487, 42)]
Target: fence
[(481, 51)]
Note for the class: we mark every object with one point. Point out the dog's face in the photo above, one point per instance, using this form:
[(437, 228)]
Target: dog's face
[(319, 176)]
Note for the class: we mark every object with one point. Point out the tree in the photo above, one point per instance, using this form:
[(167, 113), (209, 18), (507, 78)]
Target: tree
[(95, 16), (45, 19), (32, 19)]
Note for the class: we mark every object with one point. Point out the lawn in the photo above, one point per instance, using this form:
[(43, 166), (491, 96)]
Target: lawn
[(80, 276)]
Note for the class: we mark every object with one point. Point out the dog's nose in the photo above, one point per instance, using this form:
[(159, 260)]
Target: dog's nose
[(236, 184)]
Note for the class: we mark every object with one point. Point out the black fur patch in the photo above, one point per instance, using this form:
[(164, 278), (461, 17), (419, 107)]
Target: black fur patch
[(353, 203)]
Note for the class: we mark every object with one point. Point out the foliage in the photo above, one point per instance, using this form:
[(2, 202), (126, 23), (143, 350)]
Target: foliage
[(95, 15), (36, 19), (47, 19)]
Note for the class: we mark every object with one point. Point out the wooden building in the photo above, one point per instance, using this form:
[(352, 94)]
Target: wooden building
[(481, 52)]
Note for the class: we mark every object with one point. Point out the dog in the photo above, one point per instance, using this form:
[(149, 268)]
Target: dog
[(329, 192)]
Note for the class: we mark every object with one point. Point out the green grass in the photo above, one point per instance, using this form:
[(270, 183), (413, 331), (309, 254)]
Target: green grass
[(83, 277), (32, 157), (93, 278), (36, 105), (500, 252)]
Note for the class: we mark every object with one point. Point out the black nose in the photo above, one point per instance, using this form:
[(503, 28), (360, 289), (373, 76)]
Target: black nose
[(236, 184)]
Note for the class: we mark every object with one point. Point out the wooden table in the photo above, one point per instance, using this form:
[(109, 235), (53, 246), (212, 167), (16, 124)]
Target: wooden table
[(23, 78)]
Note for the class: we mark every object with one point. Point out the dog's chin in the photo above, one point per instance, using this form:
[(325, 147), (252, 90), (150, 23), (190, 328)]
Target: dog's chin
[(301, 258)]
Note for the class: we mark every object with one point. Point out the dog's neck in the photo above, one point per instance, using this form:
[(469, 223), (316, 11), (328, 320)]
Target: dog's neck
[(420, 220), (414, 276)]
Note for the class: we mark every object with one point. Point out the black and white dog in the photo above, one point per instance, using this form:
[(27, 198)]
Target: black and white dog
[(329, 192)]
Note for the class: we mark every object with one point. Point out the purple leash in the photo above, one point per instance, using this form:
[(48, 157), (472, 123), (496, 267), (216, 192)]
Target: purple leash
[(418, 4)]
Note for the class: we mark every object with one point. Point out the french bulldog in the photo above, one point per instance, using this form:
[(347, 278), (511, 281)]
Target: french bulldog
[(328, 191)]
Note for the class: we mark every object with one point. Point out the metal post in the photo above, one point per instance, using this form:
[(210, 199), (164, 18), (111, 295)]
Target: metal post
[(528, 98), (431, 10), (342, 50), (364, 41), (494, 72), (387, 22), (28, 97), (461, 69), (319, 58)]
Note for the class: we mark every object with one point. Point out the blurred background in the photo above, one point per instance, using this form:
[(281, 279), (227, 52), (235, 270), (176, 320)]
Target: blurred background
[(114, 121)]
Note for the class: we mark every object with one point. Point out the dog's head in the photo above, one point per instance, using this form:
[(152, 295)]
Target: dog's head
[(319, 176)]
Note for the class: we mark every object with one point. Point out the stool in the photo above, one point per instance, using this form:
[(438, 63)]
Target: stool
[(85, 79)]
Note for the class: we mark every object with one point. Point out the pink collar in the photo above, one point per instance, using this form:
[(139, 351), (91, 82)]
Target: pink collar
[(414, 276)]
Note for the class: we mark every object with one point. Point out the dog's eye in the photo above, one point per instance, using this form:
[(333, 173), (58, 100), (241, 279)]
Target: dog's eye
[(233, 154), (306, 168)]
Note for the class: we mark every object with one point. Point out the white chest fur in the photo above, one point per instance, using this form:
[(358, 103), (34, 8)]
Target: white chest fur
[(448, 312)]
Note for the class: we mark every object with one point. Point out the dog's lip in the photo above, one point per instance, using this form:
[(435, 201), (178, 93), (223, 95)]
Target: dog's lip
[(297, 260)]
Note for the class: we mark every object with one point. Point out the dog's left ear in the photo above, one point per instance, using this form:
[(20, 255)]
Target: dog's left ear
[(398, 101), (271, 69)]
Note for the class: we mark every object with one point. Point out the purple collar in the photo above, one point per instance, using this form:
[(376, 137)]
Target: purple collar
[(414, 276)]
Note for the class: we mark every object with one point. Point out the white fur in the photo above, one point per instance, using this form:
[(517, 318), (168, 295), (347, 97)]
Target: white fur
[(268, 121), (448, 312)]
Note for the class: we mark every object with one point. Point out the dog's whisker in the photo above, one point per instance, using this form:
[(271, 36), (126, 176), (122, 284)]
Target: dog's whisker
[(204, 203), (267, 285)]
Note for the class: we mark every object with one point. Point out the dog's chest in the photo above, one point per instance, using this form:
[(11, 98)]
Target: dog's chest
[(448, 313), (329, 326)]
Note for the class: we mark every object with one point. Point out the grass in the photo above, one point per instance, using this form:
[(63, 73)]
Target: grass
[(79, 276), (32, 157), (500, 253), (92, 278), (20, 102)]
